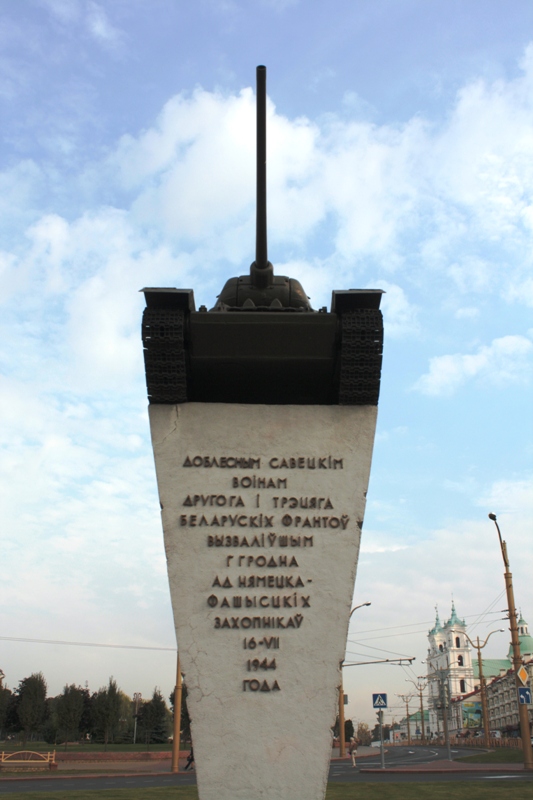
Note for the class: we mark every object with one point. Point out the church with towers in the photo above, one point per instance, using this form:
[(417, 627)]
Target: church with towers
[(453, 678), (449, 664)]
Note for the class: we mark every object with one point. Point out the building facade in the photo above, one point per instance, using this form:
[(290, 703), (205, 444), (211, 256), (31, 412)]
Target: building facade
[(501, 690)]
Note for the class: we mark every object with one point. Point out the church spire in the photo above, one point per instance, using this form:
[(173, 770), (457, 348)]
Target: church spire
[(437, 627)]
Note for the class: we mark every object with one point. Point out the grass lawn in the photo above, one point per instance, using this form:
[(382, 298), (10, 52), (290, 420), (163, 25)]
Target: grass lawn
[(503, 755), (336, 791)]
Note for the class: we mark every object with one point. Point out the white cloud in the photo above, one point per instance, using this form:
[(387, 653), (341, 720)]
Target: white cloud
[(399, 315), (66, 11), (99, 25), (93, 17), (506, 360), (468, 312), (507, 497)]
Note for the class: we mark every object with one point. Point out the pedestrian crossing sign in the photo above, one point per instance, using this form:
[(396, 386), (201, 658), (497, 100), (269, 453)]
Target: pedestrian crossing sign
[(379, 700)]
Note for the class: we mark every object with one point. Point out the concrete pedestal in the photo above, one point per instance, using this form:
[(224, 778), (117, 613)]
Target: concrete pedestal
[(262, 510)]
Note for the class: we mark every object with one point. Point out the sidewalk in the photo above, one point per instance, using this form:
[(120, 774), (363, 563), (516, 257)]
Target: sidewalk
[(362, 752)]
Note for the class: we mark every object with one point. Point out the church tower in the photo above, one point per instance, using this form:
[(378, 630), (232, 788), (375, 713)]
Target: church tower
[(449, 664)]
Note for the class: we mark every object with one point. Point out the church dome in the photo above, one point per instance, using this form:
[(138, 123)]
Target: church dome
[(454, 619), (526, 641)]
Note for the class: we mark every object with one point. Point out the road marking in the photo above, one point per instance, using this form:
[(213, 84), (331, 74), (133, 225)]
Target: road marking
[(499, 777)]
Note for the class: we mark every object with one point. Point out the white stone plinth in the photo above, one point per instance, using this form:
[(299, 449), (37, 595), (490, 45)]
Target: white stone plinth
[(262, 509)]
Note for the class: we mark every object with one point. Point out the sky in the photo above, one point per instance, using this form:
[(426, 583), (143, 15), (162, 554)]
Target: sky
[(400, 157)]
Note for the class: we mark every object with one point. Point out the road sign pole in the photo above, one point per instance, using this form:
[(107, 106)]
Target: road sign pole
[(381, 739)]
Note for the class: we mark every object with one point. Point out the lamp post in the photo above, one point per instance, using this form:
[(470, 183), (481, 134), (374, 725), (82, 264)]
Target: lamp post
[(342, 738), (406, 698), (482, 683), (137, 697), (517, 658), (442, 676), (420, 688)]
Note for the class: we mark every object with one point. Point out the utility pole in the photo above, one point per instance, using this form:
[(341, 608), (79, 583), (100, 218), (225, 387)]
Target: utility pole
[(342, 737), (482, 683), (406, 698), (177, 720), (523, 714), (441, 676), (443, 692), (382, 749), (420, 688)]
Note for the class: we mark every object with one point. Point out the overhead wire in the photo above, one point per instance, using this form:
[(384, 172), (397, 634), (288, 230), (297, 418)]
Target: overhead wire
[(84, 644)]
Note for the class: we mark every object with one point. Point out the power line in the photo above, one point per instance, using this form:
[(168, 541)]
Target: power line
[(426, 622), (64, 642), (84, 644), (379, 649)]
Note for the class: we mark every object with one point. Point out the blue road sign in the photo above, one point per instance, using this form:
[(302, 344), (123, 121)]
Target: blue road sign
[(524, 695), (379, 700)]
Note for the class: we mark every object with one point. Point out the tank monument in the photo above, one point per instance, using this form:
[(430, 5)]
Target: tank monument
[(262, 414)]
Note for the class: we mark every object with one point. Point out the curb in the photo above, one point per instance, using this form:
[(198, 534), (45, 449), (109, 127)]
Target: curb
[(58, 776)]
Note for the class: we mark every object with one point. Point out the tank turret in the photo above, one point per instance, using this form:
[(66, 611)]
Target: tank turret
[(262, 342)]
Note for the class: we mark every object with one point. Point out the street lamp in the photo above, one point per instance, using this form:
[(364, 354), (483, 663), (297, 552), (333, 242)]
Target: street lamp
[(137, 697), (482, 683), (442, 675), (406, 698), (517, 658), (342, 737)]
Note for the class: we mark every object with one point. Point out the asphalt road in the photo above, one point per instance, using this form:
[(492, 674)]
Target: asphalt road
[(340, 771)]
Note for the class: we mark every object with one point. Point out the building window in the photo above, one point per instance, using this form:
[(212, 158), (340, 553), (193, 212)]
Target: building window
[(460, 661), (441, 648), (462, 687), (457, 642)]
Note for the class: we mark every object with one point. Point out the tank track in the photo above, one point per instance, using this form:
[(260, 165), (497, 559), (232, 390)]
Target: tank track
[(163, 333), (361, 357)]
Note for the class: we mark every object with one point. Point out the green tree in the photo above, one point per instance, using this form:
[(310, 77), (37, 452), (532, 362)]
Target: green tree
[(50, 730), (375, 732), (185, 722), (31, 707), (86, 722), (363, 734), (69, 706), (348, 729), (5, 698), (106, 711), (125, 732), (155, 719)]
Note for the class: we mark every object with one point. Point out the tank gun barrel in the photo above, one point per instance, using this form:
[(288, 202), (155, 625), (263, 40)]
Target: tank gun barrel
[(261, 254), (261, 270)]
